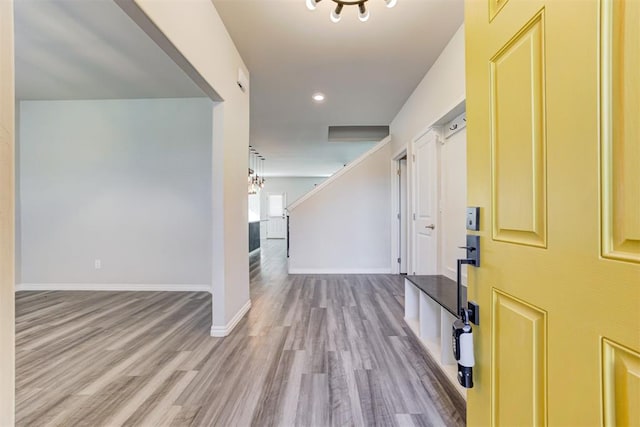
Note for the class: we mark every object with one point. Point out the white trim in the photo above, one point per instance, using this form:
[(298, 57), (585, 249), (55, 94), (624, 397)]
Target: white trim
[(340, 271), (395, 207), (115, 287), (223, 331), (458, 123), (338, 174), (438, 121)]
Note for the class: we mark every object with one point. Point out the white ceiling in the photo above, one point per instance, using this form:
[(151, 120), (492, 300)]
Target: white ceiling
[(90, 49), (367, 71)]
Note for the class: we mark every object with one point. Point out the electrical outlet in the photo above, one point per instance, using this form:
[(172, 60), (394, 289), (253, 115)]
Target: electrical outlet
[(97, 264)]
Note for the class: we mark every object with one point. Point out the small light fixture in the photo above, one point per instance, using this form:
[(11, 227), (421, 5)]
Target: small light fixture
[(318, 97), (311, 4), (335, 16), (255, 179)]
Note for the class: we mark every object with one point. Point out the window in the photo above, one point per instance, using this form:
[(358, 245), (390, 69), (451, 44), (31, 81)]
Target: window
[(276, 205)]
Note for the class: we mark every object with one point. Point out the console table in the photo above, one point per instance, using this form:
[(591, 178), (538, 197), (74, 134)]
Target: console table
[(430, 304)]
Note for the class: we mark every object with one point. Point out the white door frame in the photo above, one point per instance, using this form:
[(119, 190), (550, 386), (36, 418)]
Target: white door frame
[(396, 208)]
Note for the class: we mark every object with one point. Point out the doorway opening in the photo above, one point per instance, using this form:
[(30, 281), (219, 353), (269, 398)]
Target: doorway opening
[(400, 213), (276, 205), (403, 217)]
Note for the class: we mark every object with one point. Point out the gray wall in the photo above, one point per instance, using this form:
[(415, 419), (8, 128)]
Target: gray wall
[(124, 181)]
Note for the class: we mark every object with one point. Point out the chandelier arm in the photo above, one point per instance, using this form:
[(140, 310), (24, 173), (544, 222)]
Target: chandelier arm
[(350, 2)]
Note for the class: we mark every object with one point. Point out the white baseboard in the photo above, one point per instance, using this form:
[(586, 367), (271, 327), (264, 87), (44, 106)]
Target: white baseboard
[(339, 271), (115, 287), (223, 331)]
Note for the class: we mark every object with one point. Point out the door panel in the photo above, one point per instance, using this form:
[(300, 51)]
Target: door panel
[(426, 202), (518, 138), (553, 147), (621, 130), (495, 6), (519, 350), (7, 322), (621, 372)]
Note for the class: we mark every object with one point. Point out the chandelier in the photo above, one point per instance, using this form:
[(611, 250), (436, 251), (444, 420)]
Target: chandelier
[(363, 13), (256, 171)]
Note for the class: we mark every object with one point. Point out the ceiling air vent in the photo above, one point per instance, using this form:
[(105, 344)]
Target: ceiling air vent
[(358, 133)]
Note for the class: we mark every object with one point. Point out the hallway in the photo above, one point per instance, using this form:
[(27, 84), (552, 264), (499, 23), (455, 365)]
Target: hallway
[(313, 350)]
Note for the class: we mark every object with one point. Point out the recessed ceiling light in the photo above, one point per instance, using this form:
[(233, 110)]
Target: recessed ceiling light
[(318, 97)]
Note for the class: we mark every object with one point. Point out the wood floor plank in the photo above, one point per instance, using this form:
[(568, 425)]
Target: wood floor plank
[(315, 350)]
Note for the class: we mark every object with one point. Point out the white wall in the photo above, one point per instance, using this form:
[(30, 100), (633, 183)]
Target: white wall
[(442, 88), (194, 35), (124, 181), (440, 92), (344, 226), (294, 187), (453, 191)]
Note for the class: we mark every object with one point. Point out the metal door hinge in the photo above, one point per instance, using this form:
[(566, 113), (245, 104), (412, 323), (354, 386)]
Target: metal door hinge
[(398, 260), (413, 156), (414, 217), (398, 172), (398, 216)]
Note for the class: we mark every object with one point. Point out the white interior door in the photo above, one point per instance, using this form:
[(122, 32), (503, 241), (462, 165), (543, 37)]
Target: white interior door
[(425, 224), (276, 226)]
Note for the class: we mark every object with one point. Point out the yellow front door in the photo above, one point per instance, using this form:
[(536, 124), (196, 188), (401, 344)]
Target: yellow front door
[(553, 109)]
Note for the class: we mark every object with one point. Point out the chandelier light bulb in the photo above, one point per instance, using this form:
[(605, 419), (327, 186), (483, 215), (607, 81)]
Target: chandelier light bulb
[(335, 15), (363, 14), (311, 4), (391, 3)]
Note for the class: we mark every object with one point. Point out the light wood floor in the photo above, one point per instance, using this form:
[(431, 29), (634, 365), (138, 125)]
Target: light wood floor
[(313, 350)]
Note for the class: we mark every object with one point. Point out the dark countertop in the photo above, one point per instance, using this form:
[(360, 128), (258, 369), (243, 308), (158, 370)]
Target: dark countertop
[(442, 290)]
